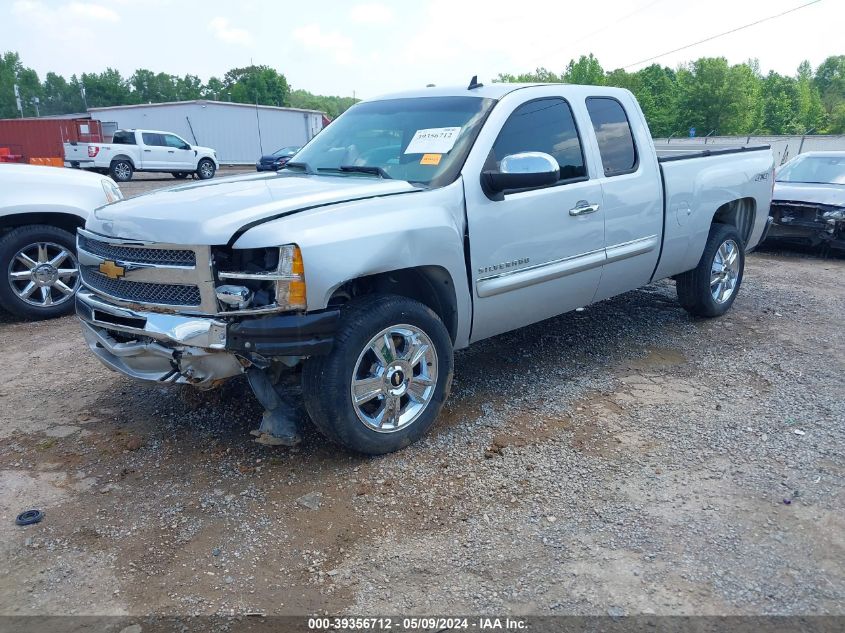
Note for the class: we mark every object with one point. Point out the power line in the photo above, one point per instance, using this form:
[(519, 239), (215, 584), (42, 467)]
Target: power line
[(615, 22), (539, 59), (713, 37)]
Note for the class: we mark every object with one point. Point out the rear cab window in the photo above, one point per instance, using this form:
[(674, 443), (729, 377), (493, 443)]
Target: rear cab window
[(123, 138), (613, 133), (543, 125)]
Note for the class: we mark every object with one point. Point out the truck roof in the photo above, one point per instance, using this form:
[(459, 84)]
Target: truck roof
[(488, 91)]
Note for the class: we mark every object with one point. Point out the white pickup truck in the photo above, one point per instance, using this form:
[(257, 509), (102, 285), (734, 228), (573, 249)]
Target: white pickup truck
[(414, 225), (143, 150)]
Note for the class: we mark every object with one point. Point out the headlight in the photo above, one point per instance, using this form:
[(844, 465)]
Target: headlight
[(112, 191), (275, 277)]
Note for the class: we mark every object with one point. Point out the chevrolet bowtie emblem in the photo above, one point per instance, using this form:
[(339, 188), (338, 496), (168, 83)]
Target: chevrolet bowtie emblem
[(112, 270)]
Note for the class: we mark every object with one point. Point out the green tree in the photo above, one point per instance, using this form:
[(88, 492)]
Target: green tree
[(830, 80), (657, 91), (107, 88), (586, 71), (214, 90), (811, 112), (540, 75), (713, 96), (257, 84), (780, 105), (60, 97)]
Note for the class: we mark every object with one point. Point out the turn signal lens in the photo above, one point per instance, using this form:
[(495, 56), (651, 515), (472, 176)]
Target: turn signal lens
[(290, 292)]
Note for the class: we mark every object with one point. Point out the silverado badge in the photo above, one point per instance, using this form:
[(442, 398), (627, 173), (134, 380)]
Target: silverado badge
[(112, 270)]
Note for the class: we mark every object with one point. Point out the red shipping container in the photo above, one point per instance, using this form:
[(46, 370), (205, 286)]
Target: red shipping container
[(40, 138)]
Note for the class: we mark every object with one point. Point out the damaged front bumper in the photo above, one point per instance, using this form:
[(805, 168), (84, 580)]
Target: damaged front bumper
[(198, 350), (808, 223), (165, 348)]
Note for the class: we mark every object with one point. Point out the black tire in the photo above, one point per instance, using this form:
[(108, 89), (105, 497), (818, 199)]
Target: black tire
[(694, 286), (180, 175), (327, 380), (206, 169), (14, 242), (121, 170)]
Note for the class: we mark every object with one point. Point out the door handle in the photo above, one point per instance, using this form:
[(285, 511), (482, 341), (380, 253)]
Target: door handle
[(170, 151), (582, 207), (148, 150)]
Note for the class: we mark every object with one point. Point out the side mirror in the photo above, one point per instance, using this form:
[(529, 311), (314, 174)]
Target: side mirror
[(186, 146), (522, 171)]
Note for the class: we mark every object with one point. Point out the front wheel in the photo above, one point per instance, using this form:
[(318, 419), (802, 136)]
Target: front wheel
[(41, 272), (206, 169), (709, 289), (386, 379)]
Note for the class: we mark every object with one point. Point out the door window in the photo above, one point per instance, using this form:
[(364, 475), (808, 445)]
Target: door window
[(613, 132), (544, 125), (153, 139), (171, 140)]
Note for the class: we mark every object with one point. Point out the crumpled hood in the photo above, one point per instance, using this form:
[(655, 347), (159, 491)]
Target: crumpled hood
[(813, 193), (211, 212)]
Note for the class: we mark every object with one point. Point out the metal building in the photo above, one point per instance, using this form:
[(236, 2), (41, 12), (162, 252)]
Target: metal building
[(239, 132)]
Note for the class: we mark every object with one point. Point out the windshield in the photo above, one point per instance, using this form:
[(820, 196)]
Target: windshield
[(423, 140), (814, 169), (286, 151)]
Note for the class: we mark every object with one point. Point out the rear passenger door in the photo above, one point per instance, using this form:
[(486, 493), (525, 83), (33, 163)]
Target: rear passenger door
[(538, 252), (154, 152), (631, 188)]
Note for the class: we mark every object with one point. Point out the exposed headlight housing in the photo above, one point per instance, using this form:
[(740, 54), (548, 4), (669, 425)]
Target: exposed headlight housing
[(112, 191), (275, 277)]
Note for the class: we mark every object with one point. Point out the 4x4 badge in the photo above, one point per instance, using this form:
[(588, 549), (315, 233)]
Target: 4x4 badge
[(112, 270)]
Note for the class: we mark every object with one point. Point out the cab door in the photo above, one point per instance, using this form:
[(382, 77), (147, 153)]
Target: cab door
[(154, 151), (534, 253), (179, 153)]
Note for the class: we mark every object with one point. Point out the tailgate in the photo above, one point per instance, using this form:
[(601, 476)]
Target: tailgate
[(77, 152)]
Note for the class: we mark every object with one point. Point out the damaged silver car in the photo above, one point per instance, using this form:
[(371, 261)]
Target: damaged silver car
[(808, 206)]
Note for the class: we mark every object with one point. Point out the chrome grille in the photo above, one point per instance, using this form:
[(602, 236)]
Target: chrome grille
[(142, 292), (162, 256)]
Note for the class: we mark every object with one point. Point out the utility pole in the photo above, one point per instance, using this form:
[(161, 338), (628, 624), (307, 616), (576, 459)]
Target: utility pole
[(35, 102), (82, 92), (18, 100)]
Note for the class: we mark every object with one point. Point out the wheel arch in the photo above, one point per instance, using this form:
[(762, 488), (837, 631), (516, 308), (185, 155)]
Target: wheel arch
[(61, 220), (430, 285), (122, 157), (740, 213)]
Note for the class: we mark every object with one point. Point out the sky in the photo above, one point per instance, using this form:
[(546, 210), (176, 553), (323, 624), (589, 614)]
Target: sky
[(368, 48)]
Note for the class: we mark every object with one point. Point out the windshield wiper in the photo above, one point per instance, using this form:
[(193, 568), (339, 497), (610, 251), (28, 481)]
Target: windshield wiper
[(303, 166), (360, 169)]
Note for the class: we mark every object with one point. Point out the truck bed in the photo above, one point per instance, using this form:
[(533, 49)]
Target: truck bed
[(667, 152)]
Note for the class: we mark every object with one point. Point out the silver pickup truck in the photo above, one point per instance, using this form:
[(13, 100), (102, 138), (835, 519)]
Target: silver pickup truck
[(415, 224)]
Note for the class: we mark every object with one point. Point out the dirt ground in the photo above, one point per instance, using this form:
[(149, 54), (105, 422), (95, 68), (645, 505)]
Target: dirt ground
[(619, 460)]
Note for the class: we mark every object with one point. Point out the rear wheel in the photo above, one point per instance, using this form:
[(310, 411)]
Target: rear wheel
[(41, 273), (121, 170), (206, 169), (386, 379), (710, 289)]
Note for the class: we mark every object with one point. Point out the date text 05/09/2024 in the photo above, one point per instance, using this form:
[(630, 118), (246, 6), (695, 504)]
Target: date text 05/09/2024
[(478, 623)]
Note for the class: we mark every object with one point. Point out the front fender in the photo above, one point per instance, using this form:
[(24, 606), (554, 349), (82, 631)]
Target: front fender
[(346, 241)]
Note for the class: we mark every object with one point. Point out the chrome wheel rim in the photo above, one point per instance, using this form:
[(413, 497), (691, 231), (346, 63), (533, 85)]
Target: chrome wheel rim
[(44, 274), (394, 378), (724, 272), (205, 168), (121, 170)]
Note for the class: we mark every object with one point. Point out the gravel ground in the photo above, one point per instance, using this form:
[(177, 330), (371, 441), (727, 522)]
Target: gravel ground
[(623, 459)]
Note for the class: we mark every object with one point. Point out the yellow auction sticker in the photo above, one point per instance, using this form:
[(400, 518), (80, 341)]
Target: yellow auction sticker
[(431, 159)]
